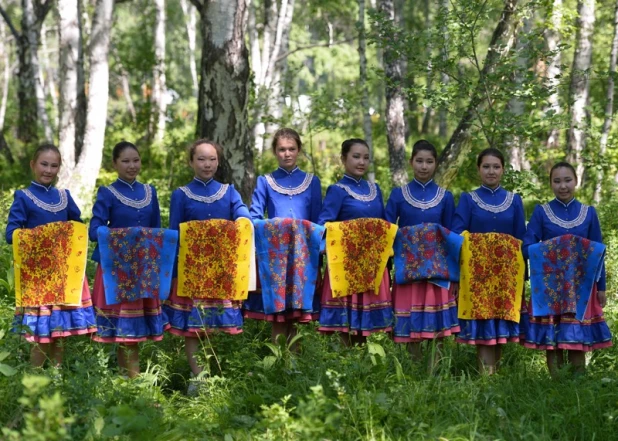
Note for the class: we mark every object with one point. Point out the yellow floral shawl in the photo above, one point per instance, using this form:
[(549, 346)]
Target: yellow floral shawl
[(50, 264), (492, 277), (216, 259), (357, 252)]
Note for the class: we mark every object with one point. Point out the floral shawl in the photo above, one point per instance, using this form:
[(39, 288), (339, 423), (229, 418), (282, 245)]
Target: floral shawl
[(50, 264), (288, 252), (137, 263), (563, 271), (216, 259), (357, 251), (427, 251), (492, 277)]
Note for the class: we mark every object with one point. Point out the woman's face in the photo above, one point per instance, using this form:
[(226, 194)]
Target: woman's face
[(491, 171), (563, 182), (45, 167), (128, 164), (287, 152), (205, 161), (424, 165), (356, 161)]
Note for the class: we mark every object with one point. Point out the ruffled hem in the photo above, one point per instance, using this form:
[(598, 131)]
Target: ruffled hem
[(489, 332)]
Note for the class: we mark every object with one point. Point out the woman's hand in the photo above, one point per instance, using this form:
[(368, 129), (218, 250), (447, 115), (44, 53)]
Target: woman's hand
[(602, 298)]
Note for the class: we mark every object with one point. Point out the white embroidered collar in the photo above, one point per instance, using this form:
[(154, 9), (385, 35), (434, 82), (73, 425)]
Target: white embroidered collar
[(435, 201), (205, 199), (272, 183), (493, 208), (124, 200), (373, 192), (581, 217), (52, 208)]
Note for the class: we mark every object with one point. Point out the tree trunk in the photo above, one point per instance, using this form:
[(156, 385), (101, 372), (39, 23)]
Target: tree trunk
[(429, 78), (159, 90), (362, 53), (5, 150), (83, 179), (554, 69), (190, 22), (6, 74), (502, 41), (82, 100), (609, 105), (580, 86), (444, 78), (224, 93), (395, 100), (46, 72), (69, 41)]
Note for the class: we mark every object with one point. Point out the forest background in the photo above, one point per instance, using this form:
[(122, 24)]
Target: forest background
[(534, 78)]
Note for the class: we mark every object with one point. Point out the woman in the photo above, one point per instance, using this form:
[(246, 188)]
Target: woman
[(489, 209), (39, 204), (288, 192), (423, 310), (563, 337), (203, 198), (352, 197), (125, 203)]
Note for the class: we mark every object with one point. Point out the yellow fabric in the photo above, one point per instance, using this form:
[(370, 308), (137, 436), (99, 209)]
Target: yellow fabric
[(492, 277), (357, 252), (50, 264), (215, 259)]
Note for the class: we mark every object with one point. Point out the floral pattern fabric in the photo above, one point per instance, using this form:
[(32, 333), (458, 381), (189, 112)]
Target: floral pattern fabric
[(216, 259), (50, 264), (492, 277), (563, 271), (427, 251), (357, 251), (137, 262), (288, 253)]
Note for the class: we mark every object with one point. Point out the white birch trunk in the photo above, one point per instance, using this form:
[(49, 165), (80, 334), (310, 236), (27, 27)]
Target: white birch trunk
[(83, 179), (6, 74), (83, 21), (190, 23), (554, 69), (159, 90), (362, 52), (68, 12), (444, 78), (609, 105), (580, 86), (224, 89)]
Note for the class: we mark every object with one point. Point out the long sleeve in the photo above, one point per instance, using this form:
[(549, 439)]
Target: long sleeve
[(100, 214), (519, 220), (392, 207), (155, 220), (237, 206), (534, 231), (381, 199), (176, 210), (594, 233), (449, 210), (18, 216), (331, 206), (74, 213), (258, 200), (461, 220), (316, 199)]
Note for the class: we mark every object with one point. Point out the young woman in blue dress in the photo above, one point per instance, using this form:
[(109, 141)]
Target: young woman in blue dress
[(288, 192), (204, 198), (353, 197), (125, 203), (423, 311), (490, 209), (564, 338), (39, 204)]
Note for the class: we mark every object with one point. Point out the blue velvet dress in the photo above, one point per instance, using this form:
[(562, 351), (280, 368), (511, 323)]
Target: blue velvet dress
[(565, 331), (34, 206), (200, 200), (122, 205), (487, 210)]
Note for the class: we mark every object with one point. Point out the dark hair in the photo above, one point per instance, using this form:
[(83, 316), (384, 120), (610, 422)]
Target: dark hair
[(490, 152), (562, 164), (286, 133), (348, 143), (46, 148), (193, 147), (121, 147), (423, 145)]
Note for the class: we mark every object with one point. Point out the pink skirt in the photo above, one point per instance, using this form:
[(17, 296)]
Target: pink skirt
[(357, 314), (423, 311), (44, 324), (126, 322)]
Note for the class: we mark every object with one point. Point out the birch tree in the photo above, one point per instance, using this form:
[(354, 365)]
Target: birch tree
[(609, 105), (190, 23), (554, 69), (31, 97), (159, 90), (502, 41), (395, 102), (224, 88), (580, 86), (362, 53), (6, 73)]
